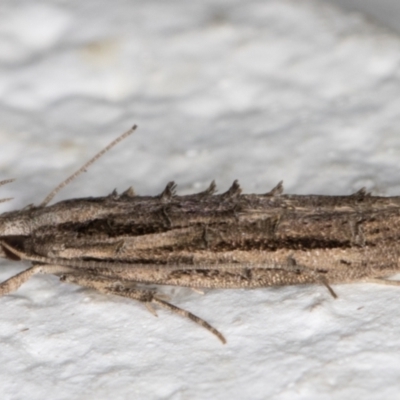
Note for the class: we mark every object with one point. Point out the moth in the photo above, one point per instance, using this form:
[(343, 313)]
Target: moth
[(124, 244)]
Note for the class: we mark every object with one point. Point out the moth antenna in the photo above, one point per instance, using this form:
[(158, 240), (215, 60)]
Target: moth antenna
[(84, 167), (4, 183), (6, 199)]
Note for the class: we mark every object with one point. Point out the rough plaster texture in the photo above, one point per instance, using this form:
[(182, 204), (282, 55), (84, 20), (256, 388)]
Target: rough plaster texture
[(257, 91)]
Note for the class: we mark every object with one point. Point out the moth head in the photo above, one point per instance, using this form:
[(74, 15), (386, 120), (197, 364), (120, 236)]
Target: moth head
[(11, 223), (14, 224)]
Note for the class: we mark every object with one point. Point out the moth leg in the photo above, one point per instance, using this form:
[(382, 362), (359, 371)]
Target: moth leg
[(198, 291), (191, 316), (292, 266), (124, 289), (382, 281), (325, 282), (151, 309), (13, 283)]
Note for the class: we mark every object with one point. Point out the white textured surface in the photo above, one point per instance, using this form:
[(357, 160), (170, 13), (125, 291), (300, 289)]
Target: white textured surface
[(384, 12), (259, 91)]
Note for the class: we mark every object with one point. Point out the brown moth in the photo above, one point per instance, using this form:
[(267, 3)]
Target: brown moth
[(120, 243)]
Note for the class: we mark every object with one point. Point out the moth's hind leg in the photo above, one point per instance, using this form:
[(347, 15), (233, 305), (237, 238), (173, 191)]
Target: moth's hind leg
[(125, 289), (191, 316), (13, 283)]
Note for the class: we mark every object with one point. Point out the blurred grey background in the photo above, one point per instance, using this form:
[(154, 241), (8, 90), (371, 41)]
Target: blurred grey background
[(384, 12)]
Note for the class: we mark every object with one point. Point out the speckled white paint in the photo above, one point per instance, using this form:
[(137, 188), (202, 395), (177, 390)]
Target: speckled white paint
[(255, 91)]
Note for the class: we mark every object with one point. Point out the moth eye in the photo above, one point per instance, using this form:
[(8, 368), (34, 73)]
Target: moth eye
[(3, 183)]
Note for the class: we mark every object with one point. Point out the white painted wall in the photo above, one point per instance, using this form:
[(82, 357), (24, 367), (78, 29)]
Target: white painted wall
[(255, 91)]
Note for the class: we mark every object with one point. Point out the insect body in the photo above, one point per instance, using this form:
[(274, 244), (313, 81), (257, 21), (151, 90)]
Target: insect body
[(121, 243)]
